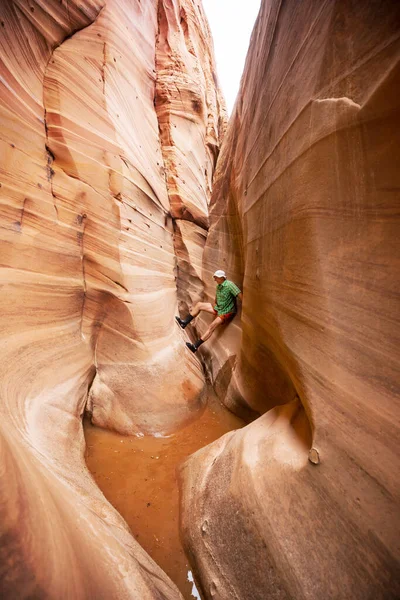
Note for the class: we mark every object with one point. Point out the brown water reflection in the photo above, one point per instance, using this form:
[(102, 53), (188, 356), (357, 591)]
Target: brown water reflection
[(138, 477)]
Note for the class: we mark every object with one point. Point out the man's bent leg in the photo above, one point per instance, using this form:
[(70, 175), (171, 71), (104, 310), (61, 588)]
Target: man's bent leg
[(208, 333), (201, 306), (194, 311), (216, 323)]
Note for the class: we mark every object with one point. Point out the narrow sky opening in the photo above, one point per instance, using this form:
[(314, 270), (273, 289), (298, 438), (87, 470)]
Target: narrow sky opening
[(231, 23)]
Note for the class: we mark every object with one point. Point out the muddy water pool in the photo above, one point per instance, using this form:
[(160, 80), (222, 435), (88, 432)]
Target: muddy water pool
[(137, 475)]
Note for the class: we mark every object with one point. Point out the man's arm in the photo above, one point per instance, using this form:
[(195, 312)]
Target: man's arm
[(235, 291)]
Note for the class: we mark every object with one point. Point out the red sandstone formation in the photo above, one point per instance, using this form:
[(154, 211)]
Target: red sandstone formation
[(88, 271), (110, 130), (304, 502)]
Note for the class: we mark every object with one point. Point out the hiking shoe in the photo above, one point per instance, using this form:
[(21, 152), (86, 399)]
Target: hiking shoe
[(191, 347), (180, 322)]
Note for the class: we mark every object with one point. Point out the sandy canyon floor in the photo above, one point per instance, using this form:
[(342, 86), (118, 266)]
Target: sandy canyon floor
[(137, 475)]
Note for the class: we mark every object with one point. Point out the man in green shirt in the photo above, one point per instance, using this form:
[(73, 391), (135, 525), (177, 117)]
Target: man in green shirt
[(224, 309)]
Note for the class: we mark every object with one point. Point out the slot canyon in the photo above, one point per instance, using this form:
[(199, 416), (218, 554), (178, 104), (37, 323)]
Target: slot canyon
[(266, 465)]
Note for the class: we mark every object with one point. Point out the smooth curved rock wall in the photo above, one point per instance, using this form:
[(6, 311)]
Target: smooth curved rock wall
[(89, 292), (305, 218)]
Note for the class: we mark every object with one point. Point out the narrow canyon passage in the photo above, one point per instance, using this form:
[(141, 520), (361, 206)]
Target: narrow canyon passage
[(138, 477), (123, 188)]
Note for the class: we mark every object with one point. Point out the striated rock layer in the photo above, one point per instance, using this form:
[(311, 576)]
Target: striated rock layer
[(88, 275), (305, 217)]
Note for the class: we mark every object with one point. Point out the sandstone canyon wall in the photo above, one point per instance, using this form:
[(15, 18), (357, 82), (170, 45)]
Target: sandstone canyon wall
[(93, 132), (304, 501)]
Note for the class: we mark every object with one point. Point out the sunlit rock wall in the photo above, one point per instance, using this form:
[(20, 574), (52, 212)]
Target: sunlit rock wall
[(88, 281), (305, 217)]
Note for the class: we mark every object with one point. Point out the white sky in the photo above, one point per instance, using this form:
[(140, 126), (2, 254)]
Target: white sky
[(231, 23)]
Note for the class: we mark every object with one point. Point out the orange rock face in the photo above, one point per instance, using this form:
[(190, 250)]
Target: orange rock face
[(304, 502), (89, 271)]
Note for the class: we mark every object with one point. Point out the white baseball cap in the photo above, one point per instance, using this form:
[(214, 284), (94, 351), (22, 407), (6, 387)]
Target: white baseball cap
[(219, 273)]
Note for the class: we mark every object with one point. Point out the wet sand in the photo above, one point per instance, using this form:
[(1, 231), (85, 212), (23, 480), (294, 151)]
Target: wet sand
[(138, 477)]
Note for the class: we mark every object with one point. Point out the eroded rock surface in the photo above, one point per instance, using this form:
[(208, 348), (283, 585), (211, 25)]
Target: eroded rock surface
[(88, 273), (305, 218)]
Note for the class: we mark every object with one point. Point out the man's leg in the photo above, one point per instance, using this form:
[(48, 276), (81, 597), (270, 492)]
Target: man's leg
[(201, 306), (206, 335), (194, 311)]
